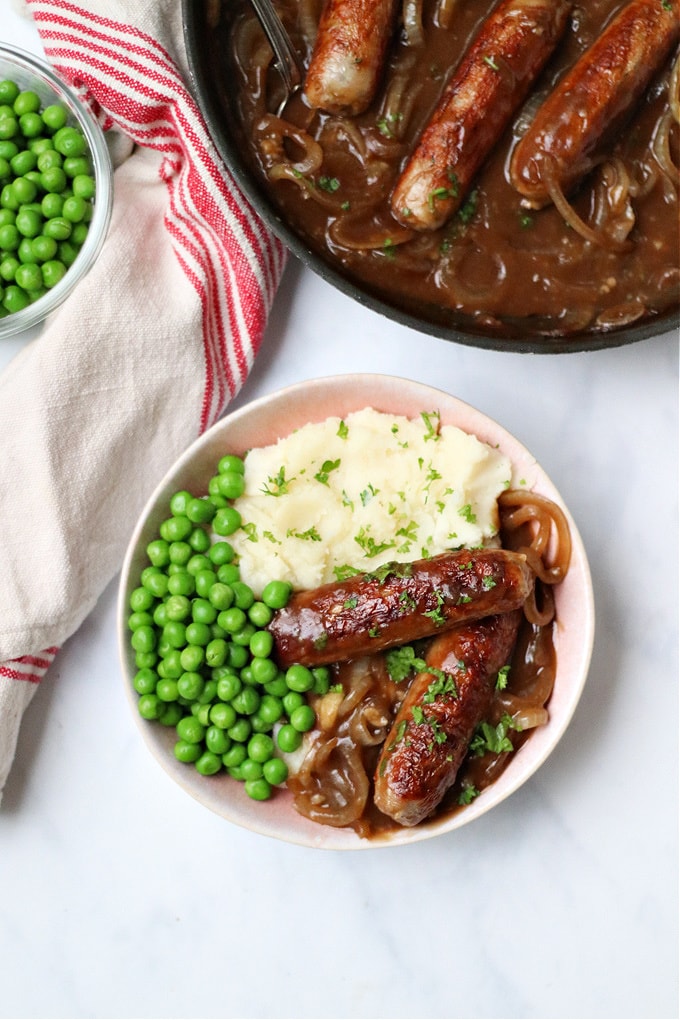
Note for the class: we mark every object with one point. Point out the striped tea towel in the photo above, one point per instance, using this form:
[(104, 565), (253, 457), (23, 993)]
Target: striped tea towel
[(146, 353)]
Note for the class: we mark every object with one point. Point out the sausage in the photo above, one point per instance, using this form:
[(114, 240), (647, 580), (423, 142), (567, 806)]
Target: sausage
[(349, 54), (435, 723), (593, 99), (399, 603), (476, 106)]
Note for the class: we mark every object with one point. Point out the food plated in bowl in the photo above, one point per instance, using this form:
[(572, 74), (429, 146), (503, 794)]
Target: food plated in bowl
[(56, 190), (419, 204), (333, 756)]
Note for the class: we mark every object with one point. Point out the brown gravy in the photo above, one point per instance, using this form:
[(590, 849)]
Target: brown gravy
[(496, 266)]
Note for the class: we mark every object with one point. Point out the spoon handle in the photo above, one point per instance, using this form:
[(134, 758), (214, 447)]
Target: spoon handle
[(286, 58)]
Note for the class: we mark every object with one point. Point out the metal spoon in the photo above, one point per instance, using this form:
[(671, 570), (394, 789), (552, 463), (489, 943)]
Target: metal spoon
[(287, 60)]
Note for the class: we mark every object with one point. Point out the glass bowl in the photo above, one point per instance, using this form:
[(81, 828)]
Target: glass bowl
[(29, 72)]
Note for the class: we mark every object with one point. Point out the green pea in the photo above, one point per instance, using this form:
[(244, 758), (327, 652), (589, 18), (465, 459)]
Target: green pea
[(291, 701), (299, 678), (9, 127), (288, 738), (240, 731), (54, 116), (26, 101), (217, 741), (226, 521), (75, 165), (54, 180), (303, 718), (192, 657), (258, 789), (24, 190), (190, 685), (28, 222), (216, 652), (231, 463), (276, 594), (145, 681), (59, 228), (208, 764), (158, 552), (199, 540), (31, 125), (170, 714), (181, 583), (264, 670), (167, 690), (8, 267), (44, 248), (223, 715), (235, 756), (228, 686), (260, 747), (29, 277), (15, 298), (190, 729), (69, 141), (48, 159), (187, 752), (247, 701), (137, 620), (227, 573), (149, 706), (275, 771), (53, 271), (251, 770), (260, 614), (176, 528), (9, 90), (261, 645), (10, 237), (73, 209)]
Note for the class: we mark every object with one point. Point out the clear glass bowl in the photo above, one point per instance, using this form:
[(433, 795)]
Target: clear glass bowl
[(29, 72)]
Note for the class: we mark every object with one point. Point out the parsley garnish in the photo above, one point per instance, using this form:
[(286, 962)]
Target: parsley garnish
[(401, 662), (329, 184), (326, 468), (467, 513), (278, 482), (369, 544), (343, 430), (310, 535), (432, 421), (502, 678), (467, 794), (493, 738)]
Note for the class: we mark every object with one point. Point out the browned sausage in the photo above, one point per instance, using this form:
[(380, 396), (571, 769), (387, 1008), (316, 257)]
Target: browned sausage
[(399, 603), (349, 54), (589, 104), (436, 721), (477, 104)]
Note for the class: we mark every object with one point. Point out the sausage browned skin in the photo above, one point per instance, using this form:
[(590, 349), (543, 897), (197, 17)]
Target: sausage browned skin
[(397, 604), (435, 723), (476, 106), (349, 54), (589, 104)]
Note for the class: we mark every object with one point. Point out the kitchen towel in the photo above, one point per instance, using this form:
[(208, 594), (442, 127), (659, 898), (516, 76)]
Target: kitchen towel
[(146, 353)]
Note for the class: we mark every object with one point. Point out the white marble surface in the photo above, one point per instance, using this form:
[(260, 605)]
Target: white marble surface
[(122, 897)]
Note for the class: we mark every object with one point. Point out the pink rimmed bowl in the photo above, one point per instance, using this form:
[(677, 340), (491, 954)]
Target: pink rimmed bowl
[(262, 422)]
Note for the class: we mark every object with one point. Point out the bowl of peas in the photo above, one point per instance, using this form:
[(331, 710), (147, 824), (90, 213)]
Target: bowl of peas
[(56, 190)]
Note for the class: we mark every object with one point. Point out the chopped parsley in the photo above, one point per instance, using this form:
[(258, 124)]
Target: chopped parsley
[(467, 794), (466, 512), (401, 662), (326, 468), (278, 482), (310, 535), (329, 184), (343, 430), (493, 738), (502, 678), (432, 421), (369, 545)]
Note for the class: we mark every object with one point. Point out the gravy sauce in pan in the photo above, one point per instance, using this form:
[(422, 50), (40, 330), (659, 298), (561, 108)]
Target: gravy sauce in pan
[(496, 266)]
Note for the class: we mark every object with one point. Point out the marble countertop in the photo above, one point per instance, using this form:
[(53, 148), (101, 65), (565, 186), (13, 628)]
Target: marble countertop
[(122, 897)]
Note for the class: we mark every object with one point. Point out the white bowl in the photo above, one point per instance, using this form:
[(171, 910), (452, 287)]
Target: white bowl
[(31, 73), (264, 421)]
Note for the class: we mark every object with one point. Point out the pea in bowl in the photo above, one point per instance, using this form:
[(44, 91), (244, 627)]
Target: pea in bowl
[(56, 190), (206, 713)]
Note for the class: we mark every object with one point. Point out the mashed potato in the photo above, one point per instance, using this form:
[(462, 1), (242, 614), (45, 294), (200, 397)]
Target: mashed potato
[(347, 495)]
